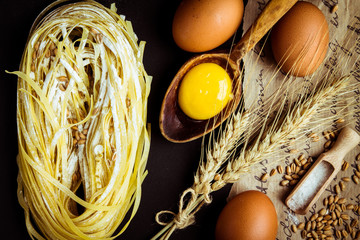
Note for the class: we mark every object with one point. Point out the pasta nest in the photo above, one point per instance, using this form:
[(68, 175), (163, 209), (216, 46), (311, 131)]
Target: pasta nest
[(83, 136)]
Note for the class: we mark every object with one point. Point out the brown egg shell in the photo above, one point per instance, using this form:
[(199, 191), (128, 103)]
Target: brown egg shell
[(175, 126), (250, 215)]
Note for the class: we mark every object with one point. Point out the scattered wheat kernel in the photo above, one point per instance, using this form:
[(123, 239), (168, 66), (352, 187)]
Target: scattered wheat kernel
[(301, 172), (328, 233), (355, 179), (344, 233), (353, 234), (294, 228), (348, 228), (345, 216), (264, 177), (345, 166), (297, 169), (301, 226), (326, 135), (341, 222), (62, 78), (308, 226), (82, 136), (334, 8), (310, 135), (288, 170), (293, 167), (358, 167), (357, 236), (319, 225), (327, 217), (337, 189), (327, 227), (313, 225), (342, 200), (343, 207), (272, 172), (331, 199), (328, 144), (295, 176), (314, 234), (342, 186), (307, 166), (338, 234), (350, 206), (309, 235), (319, 219), (303, 162), (358, 157), (284, 182), (356, 207), (62, 87), (314, 216), (357, 173), (354, 222), (297, 162), (288, 177), (336, 198), (293, 151), (335, 222), (77, 137), (332, 207), (332, 135), (280, 169), (338, 207), (346, 179), (293, 182), (303, 234), (340, 120), (338, 213), (322, 212), (315, 139), (34, 55)]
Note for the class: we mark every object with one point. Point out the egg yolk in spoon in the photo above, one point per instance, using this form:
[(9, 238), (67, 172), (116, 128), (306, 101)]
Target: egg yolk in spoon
[(204, 91)]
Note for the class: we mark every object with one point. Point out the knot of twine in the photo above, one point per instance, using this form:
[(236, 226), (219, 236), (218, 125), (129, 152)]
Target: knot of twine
[(185, 216)]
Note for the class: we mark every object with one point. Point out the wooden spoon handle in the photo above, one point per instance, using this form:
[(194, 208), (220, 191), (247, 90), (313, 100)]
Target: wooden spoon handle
[(346, 141), (273, 11)]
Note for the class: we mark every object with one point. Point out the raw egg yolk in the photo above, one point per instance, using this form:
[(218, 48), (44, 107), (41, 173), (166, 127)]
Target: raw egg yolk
[(204, 91)]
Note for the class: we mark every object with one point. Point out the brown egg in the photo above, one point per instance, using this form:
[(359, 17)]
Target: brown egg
[(250, 215), (202, 25), (300, 40)]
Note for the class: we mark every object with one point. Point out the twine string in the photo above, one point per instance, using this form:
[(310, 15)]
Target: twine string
[(185, 217)]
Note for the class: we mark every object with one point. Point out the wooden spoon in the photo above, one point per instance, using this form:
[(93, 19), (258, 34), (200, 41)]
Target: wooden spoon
[(174, 124), (323, 171)]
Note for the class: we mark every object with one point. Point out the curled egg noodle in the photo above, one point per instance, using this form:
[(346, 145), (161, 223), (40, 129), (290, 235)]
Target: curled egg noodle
[(81, 116)]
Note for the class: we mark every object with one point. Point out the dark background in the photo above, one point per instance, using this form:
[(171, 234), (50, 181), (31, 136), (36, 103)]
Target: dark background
[(171, 166)]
